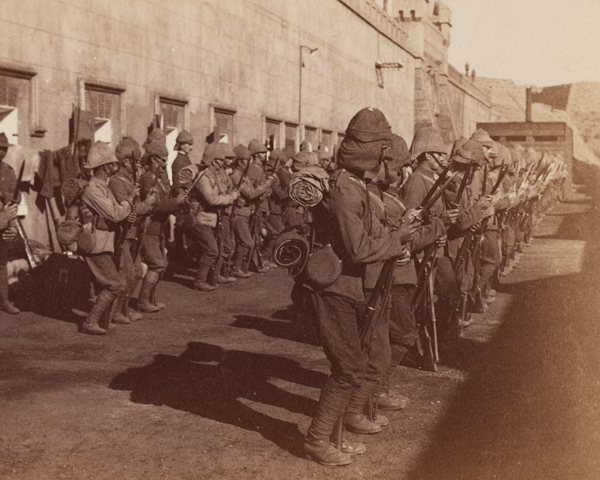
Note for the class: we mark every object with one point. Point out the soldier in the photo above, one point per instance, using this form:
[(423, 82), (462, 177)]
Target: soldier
[(105, 212), (466, 155), (490, 249), (251, 187), (277, 200), (122, 185), (391, 211), (357, 239), (213, 193), (430, 152), (183, 146), (8, 212), (156, 180)]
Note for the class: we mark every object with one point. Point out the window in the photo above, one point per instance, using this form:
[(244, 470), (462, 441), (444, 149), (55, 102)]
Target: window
[(273, 127), (291, 133), (15, 103), (340, 138), (173, 112), (310, 135), (224, 128), (104, 103)]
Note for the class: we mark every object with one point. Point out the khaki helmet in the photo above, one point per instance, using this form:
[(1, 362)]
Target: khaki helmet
[(427, 140), (100, 154), (256, 147), (483, 137)]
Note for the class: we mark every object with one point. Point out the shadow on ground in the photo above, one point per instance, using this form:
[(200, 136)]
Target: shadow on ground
[(531, 409), (208, 380)]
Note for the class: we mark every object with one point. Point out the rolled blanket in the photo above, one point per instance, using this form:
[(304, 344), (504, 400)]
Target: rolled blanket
[(291, 250), (308, 186), (72, 189)]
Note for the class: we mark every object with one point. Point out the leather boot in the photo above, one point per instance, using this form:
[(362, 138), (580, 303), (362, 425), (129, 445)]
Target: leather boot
[(317, 445), (103, 303), (129, 312), (119, 317), (200, 283), (390, 402), (5, 304), (237, 260), (353, 448), (359, 423), (148, 284), (323, 452)]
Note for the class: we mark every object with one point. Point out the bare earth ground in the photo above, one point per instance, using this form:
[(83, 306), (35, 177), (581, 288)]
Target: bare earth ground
[(222, 385)]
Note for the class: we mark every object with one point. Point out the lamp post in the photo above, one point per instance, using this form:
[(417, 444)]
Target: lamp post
[(311, 51)]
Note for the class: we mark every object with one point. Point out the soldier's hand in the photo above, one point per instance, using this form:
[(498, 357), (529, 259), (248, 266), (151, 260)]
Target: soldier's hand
[(413, 215), (181, 198), (10, 234), (449, 216), (11, 210), (484, 203), (136, 191), (407, 230), (235, 194), (441, 241), (404, 258), (475, 227), (131, 217), (152, 199)]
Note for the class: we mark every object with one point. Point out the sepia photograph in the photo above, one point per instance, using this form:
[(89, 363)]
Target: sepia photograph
[(300, 239)]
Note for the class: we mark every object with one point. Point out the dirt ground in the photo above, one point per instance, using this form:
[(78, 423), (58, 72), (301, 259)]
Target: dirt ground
[(222, 385)]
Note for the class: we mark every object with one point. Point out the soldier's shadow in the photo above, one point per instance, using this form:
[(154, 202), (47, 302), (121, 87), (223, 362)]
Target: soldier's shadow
[(209, 381)]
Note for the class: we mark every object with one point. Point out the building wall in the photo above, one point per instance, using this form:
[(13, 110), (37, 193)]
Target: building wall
[(141, 58), (243, 56)]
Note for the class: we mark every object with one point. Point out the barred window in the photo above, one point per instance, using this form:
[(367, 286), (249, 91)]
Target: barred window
[(9, 90)]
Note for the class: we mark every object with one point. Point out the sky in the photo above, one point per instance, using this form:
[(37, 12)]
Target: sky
[(533, 42)]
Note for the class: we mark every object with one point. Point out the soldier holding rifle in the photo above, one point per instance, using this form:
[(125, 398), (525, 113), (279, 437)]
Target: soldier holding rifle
[(357, 238), (251, 189), (212, 194), (124, 185), (430, 152), (104, 212), (392, 211), (156, 180), (10, 198)]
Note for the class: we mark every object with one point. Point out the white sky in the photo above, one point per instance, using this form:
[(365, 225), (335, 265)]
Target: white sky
[(533, 42)]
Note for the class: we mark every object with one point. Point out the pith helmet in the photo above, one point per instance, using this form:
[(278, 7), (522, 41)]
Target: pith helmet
[(100, 154), (241, 152), (128, 148), (427, 139), (225, 151), (483, 137), (256, 147), (157, 148), (469, 152), (211, 152), (369, 125)]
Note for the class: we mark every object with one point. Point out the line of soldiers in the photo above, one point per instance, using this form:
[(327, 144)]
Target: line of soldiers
[(228, 211), (416, 238)]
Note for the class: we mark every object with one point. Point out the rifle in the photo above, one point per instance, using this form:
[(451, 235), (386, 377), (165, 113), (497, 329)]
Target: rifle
[(255, 228), (213, 274), (423, 299), (127, 226), (17, 220)]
